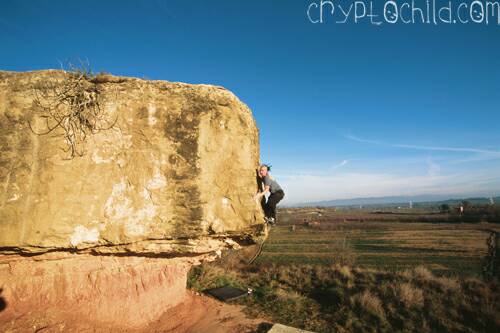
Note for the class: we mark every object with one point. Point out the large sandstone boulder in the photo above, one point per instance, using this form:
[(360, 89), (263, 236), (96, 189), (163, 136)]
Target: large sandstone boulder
[(173, 180), (180, 163)]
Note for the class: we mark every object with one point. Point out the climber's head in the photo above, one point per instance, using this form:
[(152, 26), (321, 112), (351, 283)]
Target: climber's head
[(264, 169)]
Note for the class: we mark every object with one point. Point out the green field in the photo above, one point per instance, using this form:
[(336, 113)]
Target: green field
[(342, 271), (377, 241)]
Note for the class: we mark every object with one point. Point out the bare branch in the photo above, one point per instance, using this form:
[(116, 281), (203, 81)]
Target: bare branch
[(74, 105)]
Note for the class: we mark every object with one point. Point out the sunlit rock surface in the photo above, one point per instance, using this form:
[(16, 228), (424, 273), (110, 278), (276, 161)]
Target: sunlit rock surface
[(172, 183)]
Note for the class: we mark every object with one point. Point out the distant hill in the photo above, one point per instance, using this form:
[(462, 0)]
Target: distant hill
[(395, 200)]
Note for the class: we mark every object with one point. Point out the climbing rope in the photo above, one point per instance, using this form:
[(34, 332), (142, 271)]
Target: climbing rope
[(261, 245)]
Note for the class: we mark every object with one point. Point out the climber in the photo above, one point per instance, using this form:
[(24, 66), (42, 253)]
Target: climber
[(269, 184)]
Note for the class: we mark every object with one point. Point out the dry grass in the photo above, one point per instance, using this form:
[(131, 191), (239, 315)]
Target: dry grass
[(402, 277), (369, 303), (407, 273), (421, 272), (443, 248), (345, 272), (409, 295), (448, 283), (338, 298), (290, 295)]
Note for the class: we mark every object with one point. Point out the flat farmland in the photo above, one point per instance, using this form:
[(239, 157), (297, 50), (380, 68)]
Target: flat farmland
[(378, 241)]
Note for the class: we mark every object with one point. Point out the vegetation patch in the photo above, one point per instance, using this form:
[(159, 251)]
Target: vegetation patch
[(71, 108), (338, 298)]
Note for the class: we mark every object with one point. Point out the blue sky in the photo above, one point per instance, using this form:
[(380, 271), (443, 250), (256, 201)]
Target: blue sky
[(344, 110)]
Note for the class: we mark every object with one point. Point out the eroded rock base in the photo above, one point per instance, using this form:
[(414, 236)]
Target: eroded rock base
[(56, 289)]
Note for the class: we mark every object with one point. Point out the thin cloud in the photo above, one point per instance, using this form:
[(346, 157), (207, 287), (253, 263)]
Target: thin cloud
[(162, 5), (436, 148), (304, 188), (476, 158), (339, 165), (433, 168)]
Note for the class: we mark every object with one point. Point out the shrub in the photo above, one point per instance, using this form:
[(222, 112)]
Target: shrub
[(448, 283), (409, 295), (345, 271), (71, 108), (421, 272), (369, 303)]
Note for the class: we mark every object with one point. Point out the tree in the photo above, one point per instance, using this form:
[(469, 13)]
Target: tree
[(466, 204), (444, 208)]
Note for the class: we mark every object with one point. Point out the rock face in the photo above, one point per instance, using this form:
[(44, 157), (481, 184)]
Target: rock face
[(121, 292), (169, 184)]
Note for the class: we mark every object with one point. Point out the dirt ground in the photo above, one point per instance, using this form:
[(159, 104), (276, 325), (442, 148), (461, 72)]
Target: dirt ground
[(200, 313), (197, 314)]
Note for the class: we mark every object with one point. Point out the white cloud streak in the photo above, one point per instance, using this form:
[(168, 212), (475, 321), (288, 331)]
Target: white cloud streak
[(339, 165), (435, 148)]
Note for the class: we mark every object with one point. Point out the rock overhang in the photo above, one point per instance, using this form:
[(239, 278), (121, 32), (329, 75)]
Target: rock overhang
[(175, 175)]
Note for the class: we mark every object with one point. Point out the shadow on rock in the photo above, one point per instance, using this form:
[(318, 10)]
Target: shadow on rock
[(3, 303)]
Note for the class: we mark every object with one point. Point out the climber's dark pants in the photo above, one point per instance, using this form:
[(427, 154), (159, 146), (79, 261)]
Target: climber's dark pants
[(270, 206)]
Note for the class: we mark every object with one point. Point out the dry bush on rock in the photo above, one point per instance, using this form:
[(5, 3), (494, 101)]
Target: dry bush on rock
[(71, 108)]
